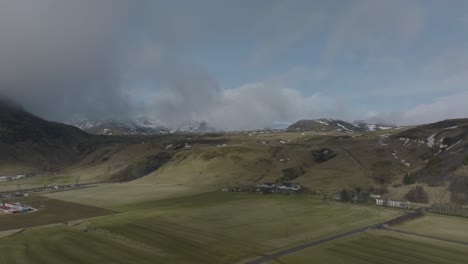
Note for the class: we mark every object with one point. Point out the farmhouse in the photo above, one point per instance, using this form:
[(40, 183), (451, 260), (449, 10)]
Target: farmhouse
[(392, 203), (14, 208), (266, 185), (337, 196), (289, 186)]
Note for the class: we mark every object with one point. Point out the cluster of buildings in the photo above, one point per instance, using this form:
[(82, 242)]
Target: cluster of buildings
[(267, 187), (392, 203), (284, 186), (355, 197), (10, 178), (14, 208), (20, 193)]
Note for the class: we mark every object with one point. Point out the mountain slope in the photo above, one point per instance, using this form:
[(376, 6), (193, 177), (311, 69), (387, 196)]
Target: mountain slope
[(136, 126), (333, 125), (434, 156), (29, 141), (447, 156)]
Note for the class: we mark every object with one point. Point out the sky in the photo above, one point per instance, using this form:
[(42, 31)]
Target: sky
[(237, 64)]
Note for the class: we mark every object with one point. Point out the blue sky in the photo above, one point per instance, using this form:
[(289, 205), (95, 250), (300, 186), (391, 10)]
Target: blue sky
[(240, 64)]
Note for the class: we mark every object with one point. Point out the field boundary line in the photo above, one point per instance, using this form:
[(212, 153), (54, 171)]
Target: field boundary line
[(424, 236)]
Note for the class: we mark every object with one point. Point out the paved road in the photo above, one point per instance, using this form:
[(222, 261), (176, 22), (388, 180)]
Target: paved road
[(304, 246), (421, 235), (405, 217), (380, 226)]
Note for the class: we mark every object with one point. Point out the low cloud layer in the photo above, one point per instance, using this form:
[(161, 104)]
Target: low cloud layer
[(237, 65), (441, 108), (250, 106)]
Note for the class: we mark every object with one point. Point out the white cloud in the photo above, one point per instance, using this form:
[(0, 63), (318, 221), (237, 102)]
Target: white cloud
[(250, 106), (445, 107), (261, 104), (441, 108)]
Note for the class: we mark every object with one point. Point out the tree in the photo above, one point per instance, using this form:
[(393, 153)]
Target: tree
[(417, 195), (408, 179), (345, 197)]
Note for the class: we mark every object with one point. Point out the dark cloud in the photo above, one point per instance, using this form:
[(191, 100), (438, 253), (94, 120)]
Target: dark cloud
[(58, 57), (115, 58)]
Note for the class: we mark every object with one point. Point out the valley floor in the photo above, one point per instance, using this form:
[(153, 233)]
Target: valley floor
[(131, 223)]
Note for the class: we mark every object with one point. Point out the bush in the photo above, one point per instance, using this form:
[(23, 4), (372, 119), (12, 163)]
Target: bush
[(345, 195), (459, 189), (408, 179), (323, 154), (381, 190), (465, 160), (417, 195), (382, 172)]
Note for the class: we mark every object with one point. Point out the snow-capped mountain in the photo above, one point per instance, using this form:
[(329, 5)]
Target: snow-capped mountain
[(137, 126), (333, 125), (194, 126)]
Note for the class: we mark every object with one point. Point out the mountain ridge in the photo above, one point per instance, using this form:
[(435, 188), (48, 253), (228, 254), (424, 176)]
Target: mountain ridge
[(336, 125), (137, 126)]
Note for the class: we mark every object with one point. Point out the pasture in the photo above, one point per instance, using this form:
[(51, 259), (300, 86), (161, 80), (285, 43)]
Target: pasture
[(449, 227), (380, 247), (213, 227), (50, 211), (115, 194)]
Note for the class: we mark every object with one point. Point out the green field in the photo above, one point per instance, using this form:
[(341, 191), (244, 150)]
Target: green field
[(449, 227), (215, 227), (380, 247), (116, 194), (186, 224), (50, 211)]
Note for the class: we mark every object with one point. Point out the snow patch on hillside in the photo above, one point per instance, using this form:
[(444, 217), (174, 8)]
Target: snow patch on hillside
[(431, 139)]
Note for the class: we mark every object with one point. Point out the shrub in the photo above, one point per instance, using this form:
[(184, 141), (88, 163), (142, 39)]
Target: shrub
[(465, 160), (459, 189), (323, 154), (408, 179), (417, 195), (345, 195)]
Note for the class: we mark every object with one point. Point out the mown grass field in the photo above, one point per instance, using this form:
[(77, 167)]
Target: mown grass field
[(380, 247), (36, 182), (116, 194), (455, 228), (50, 211), (215, 227)]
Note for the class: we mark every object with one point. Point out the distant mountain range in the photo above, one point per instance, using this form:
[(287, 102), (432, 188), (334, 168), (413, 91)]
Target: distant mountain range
[(146, 126), (137, 126), (433, 155), (333, 125)]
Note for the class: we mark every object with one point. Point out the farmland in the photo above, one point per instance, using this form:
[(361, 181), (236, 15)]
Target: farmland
[(50, 211), (454, 228), (380, 247), (112, 195), (213, 227)]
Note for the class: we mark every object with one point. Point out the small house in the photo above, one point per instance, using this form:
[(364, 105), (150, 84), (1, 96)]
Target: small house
[(337, 196), (392, 203), (268, 185), (379, 201), (289, 186)]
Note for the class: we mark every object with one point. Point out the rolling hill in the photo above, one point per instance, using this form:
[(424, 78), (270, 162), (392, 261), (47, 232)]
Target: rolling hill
[(393, 160), (333, 125), (136, 126), (27, 141)]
